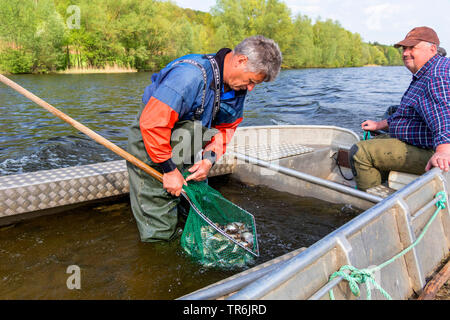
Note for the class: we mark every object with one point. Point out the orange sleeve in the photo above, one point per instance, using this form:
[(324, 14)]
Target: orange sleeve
[(156, 124), (219, 142)]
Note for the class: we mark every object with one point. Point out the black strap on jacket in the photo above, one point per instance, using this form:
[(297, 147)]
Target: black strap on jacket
[(217, 88), (216, 75), (169, 165)]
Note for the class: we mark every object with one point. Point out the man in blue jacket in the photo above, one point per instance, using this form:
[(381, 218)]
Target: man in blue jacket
[(194, 98)]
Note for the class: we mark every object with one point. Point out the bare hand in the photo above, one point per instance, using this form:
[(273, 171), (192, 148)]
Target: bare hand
[(173, 182), (199, 170), (370, 125), (440, 159)]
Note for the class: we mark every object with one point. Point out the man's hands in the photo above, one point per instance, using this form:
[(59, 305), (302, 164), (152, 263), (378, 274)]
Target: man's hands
[(441, 158), (173, 181), (370, 125), (199, 170)]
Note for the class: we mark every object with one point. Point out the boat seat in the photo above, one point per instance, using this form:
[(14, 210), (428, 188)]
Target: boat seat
[(396, 181), (381, 191)]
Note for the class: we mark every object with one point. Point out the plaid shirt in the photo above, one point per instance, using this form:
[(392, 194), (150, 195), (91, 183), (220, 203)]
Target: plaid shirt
[(423, 118)]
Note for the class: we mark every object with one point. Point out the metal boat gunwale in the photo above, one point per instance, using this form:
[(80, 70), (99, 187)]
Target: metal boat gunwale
[(281, 272), (338, 237)]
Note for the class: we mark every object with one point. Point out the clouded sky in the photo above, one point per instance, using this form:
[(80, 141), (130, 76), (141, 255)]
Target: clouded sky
[(375, 20)]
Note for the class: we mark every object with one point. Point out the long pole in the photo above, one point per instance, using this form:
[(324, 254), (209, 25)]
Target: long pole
[(92, 134)]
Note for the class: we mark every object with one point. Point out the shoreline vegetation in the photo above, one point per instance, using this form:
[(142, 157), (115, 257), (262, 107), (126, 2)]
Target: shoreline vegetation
[(110, 36), (88, 70), (117, 69)]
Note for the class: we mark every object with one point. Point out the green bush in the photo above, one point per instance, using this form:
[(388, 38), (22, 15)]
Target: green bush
[(16, 61)]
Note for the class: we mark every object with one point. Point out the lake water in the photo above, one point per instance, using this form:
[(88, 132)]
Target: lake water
[(33, 139), (103, 239)]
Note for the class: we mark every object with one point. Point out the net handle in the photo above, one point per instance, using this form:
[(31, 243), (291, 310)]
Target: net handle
[(77, 125)]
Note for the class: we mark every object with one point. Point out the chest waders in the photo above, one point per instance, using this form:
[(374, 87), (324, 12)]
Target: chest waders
[(154, 209)]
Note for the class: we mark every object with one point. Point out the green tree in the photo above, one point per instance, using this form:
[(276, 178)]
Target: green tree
[(147, 34), (325, 41), (301, 51), (393, 56), (356, 50), (230, 13), (377, 56), (31, 36)]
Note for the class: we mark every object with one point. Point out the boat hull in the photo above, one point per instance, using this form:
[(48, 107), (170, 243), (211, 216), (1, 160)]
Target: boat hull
[(295, 159)]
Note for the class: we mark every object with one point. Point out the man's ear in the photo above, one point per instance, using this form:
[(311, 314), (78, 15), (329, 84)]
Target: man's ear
[(241, 60), (434, 48)]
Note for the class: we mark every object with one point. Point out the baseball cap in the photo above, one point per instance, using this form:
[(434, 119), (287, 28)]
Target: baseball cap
[(419, 34)]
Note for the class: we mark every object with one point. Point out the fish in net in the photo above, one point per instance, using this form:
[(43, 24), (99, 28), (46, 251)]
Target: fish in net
[(217, 232)]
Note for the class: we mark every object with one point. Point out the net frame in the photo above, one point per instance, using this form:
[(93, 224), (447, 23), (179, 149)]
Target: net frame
[(254, 251)]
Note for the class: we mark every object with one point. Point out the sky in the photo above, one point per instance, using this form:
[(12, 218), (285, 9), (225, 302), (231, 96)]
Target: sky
[(386, 22)]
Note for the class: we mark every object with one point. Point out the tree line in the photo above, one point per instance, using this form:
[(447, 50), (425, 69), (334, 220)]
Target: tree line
[(39, 36)]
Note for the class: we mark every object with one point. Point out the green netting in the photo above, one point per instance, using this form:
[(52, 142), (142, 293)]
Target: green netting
[(218, 233)]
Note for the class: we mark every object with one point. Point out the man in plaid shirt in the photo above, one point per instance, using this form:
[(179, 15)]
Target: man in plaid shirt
[(419, 130)]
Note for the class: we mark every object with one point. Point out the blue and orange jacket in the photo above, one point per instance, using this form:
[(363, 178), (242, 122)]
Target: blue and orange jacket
[(174, 95)]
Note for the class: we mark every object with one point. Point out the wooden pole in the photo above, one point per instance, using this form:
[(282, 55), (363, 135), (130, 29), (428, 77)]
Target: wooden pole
[(432, 287), (92, 134)]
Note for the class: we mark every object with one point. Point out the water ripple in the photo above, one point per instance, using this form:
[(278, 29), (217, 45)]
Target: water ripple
[(33, 139)]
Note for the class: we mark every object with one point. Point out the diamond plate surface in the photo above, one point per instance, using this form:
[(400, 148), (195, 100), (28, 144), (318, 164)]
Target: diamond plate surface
[(273, 152), (46, 189)]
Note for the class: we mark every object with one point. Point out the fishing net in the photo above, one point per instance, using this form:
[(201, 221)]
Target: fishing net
[(217, 232)]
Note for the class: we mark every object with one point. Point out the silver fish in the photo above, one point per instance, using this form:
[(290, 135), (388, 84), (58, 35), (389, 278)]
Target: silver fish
[(240, 226), (247, 237), (231, 228)]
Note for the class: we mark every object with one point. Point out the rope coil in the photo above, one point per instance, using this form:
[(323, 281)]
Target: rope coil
[(357, 277)]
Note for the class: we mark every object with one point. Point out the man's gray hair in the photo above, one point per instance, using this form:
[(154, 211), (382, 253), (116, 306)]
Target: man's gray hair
[(264, 56)]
